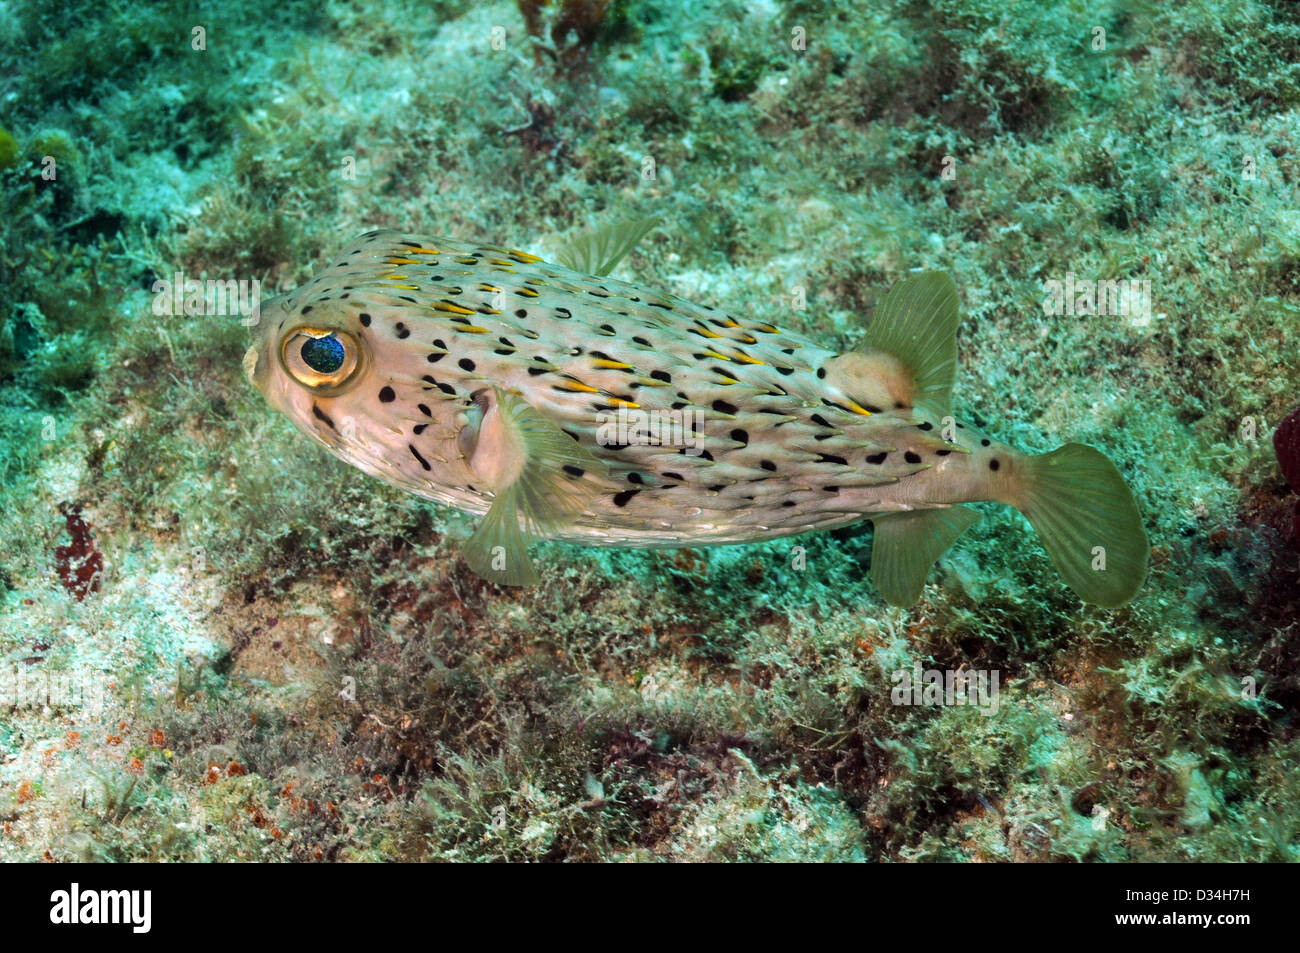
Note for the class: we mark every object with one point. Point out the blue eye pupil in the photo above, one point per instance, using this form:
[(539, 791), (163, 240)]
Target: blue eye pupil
[(323, 355)]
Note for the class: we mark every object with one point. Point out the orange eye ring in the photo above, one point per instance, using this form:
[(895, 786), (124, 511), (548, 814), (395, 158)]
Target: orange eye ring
[(325, 361)]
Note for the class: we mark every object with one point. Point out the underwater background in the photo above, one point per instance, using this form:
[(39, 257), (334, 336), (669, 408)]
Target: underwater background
[(217, 642)]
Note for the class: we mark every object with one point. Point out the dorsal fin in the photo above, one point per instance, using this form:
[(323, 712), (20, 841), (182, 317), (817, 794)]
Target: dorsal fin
[(916, 323), (598, 251)]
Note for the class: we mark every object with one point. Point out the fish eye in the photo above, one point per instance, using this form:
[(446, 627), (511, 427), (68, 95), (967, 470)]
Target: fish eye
[(320, 359)]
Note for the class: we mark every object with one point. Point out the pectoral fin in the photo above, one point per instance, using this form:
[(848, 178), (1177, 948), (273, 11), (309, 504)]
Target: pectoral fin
[(521, 454)]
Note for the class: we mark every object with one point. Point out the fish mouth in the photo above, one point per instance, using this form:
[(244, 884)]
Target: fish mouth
[(250, 367)]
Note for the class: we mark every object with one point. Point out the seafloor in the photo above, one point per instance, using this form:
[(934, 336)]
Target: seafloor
[(220, 643)]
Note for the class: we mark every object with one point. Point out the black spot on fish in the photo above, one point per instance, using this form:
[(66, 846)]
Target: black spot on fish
[(418, 429), (563, 313), (993, 464), (403, 332), (642, 341), (416, 453), (821, 372), (788, 503), (912, 457), (466, 364), (783, 371), (872, 409), (662, 376), (423, 408), (819, 420), (386, 394), (521, 312), (899, 405), (434, 358), (576, 438), (365, 319), (740, 436), (831, 458), (430, 381), (717, 488), (877, 457), (535, 371), (447, 389), (306, 310), (984, 442), (635, 478), (674, 476), (322, 417), (831, 489), (722, 407), (925, 425), (573, 471), (621, 499), (942, 453), (767, 465)]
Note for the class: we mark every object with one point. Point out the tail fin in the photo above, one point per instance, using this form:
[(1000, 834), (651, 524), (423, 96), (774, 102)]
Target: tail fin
[(1088, 521)]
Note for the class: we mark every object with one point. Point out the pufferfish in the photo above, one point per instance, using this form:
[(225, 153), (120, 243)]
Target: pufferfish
[(557, 402)]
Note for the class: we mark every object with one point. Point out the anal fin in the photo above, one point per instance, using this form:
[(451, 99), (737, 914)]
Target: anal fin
[(907, 544)]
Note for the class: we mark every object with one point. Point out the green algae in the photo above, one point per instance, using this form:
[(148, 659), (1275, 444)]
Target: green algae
[(269, 609)]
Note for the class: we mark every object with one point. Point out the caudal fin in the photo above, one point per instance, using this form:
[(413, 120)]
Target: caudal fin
[(1088, 521)]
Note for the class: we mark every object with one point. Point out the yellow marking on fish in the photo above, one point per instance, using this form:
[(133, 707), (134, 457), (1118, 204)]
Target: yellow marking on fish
[(625, 404), (578, 386), (715, 354), (857, 408), (746, 359), (400, 261), (748, 339), (472, 329), (407, 287), (492, 288), (767, 329), (651, 382), (724, 380), (730, 323), (522, 256), (499, 261), (424, 251), (529, 293), (612, 365), (704, 332), (467, 260), (450, 308)]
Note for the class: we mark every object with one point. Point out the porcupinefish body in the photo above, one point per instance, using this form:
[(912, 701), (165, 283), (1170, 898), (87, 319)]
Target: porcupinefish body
[(577, 407)]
